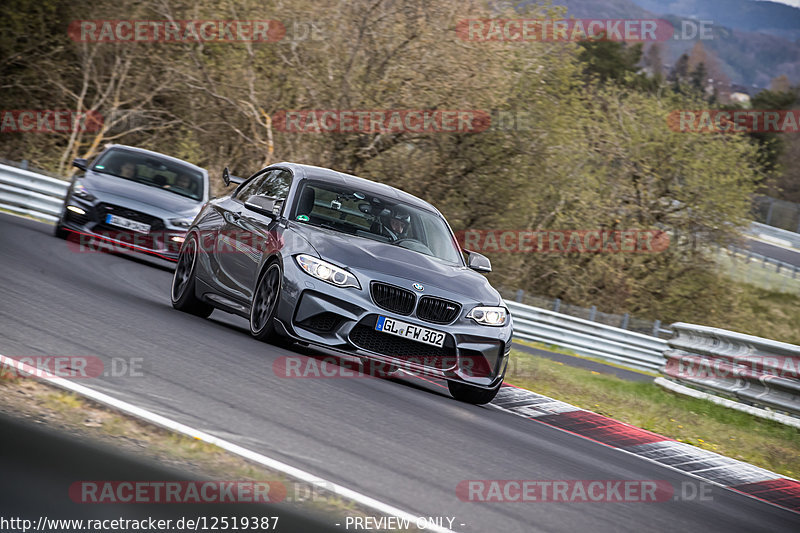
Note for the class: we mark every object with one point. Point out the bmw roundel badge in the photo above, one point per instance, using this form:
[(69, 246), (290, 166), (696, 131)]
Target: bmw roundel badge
[(419, 287)]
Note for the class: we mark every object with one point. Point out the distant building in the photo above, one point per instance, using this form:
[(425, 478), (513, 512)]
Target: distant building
[(740, 98)]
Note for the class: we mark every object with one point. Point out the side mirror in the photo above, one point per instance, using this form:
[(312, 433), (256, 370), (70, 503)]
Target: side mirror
[(81, 163), (226, 176), (264, 205), (478, 262)]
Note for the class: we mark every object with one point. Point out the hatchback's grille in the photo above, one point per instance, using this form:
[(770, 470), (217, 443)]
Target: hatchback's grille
[(437, 310), (391, 298), (124, 212), (366, 338)]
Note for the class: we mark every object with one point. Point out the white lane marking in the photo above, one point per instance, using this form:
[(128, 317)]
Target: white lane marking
[(783, 243), (269, 462)]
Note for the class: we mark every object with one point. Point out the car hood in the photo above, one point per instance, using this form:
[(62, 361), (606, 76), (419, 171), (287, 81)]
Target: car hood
[(121, 188), (367, 255)]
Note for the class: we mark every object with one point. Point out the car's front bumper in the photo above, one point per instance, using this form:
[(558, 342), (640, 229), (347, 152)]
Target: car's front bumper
[(344, 319), (89, 229)]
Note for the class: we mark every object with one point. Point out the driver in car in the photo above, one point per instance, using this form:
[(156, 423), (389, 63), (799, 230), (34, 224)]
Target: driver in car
[(399, 223), (184, 182), (127, 170)]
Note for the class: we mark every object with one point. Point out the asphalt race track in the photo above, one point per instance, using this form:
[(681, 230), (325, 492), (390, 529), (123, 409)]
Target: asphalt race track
[(404, 442), (775, 252)]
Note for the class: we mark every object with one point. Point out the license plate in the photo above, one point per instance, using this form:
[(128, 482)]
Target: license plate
[(410, 331), (127, 223)]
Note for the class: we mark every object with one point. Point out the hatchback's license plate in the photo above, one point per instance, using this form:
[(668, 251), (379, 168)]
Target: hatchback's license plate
[(410, 331), (127, 223)]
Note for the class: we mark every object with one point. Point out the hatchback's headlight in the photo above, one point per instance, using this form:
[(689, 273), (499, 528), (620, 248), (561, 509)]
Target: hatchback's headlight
[(489, 316), (181, 222), (327, 272), (79, 191)]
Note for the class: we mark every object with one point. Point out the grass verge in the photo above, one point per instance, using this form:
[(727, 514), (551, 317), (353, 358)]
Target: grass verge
[(701, 423)]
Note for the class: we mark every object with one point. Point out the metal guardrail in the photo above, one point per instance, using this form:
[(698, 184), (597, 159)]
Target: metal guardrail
[(587, 338), (753, 370), (778, 236), (29, 193)]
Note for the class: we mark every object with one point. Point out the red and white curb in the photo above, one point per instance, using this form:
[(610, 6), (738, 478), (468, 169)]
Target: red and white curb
[(709, 466)]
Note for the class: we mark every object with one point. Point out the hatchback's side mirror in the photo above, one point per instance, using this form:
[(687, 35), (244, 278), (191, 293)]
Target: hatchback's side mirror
[(478, 262), (80, 163), (226, 176)]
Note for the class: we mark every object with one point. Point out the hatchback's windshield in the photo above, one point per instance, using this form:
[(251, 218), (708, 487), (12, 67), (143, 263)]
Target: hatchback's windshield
[(152, 171), (366, 215)]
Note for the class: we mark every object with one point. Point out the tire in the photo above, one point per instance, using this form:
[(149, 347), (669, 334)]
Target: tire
[(59, 231), (471, 394), (183, 282), (265, 304)]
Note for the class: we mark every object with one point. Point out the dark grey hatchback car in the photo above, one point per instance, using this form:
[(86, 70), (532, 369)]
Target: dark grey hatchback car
[(329, 259)]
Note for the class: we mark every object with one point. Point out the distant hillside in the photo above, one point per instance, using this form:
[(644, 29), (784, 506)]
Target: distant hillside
[(750, 48), (748, 15)]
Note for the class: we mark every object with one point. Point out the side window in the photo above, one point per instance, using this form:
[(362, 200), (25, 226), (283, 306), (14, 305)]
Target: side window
[(276, 185), (252, 187)]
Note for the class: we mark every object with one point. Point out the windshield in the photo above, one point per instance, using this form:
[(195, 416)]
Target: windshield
[(152, 171), (369, 216)]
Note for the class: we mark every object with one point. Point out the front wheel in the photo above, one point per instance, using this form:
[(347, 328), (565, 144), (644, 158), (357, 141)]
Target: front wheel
[(471, 394), (265, 304), (183, 282), (59, 230)]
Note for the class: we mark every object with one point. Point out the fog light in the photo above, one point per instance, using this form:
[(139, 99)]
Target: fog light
[(76, 209), (177, 238)]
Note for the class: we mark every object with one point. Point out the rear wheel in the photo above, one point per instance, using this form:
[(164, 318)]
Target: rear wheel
[(471, 394), (183, 282), (265, 304)]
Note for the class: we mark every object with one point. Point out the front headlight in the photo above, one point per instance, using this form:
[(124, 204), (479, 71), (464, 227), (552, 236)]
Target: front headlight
[(327, 272), (181, 222), (79, 191), (489, 316)]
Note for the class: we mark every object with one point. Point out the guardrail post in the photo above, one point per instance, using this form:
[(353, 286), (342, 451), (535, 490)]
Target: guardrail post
[(656, 328), (592, 312), (24, 164), (769, 211), (625, 318), (519, 295), (556, 305)]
